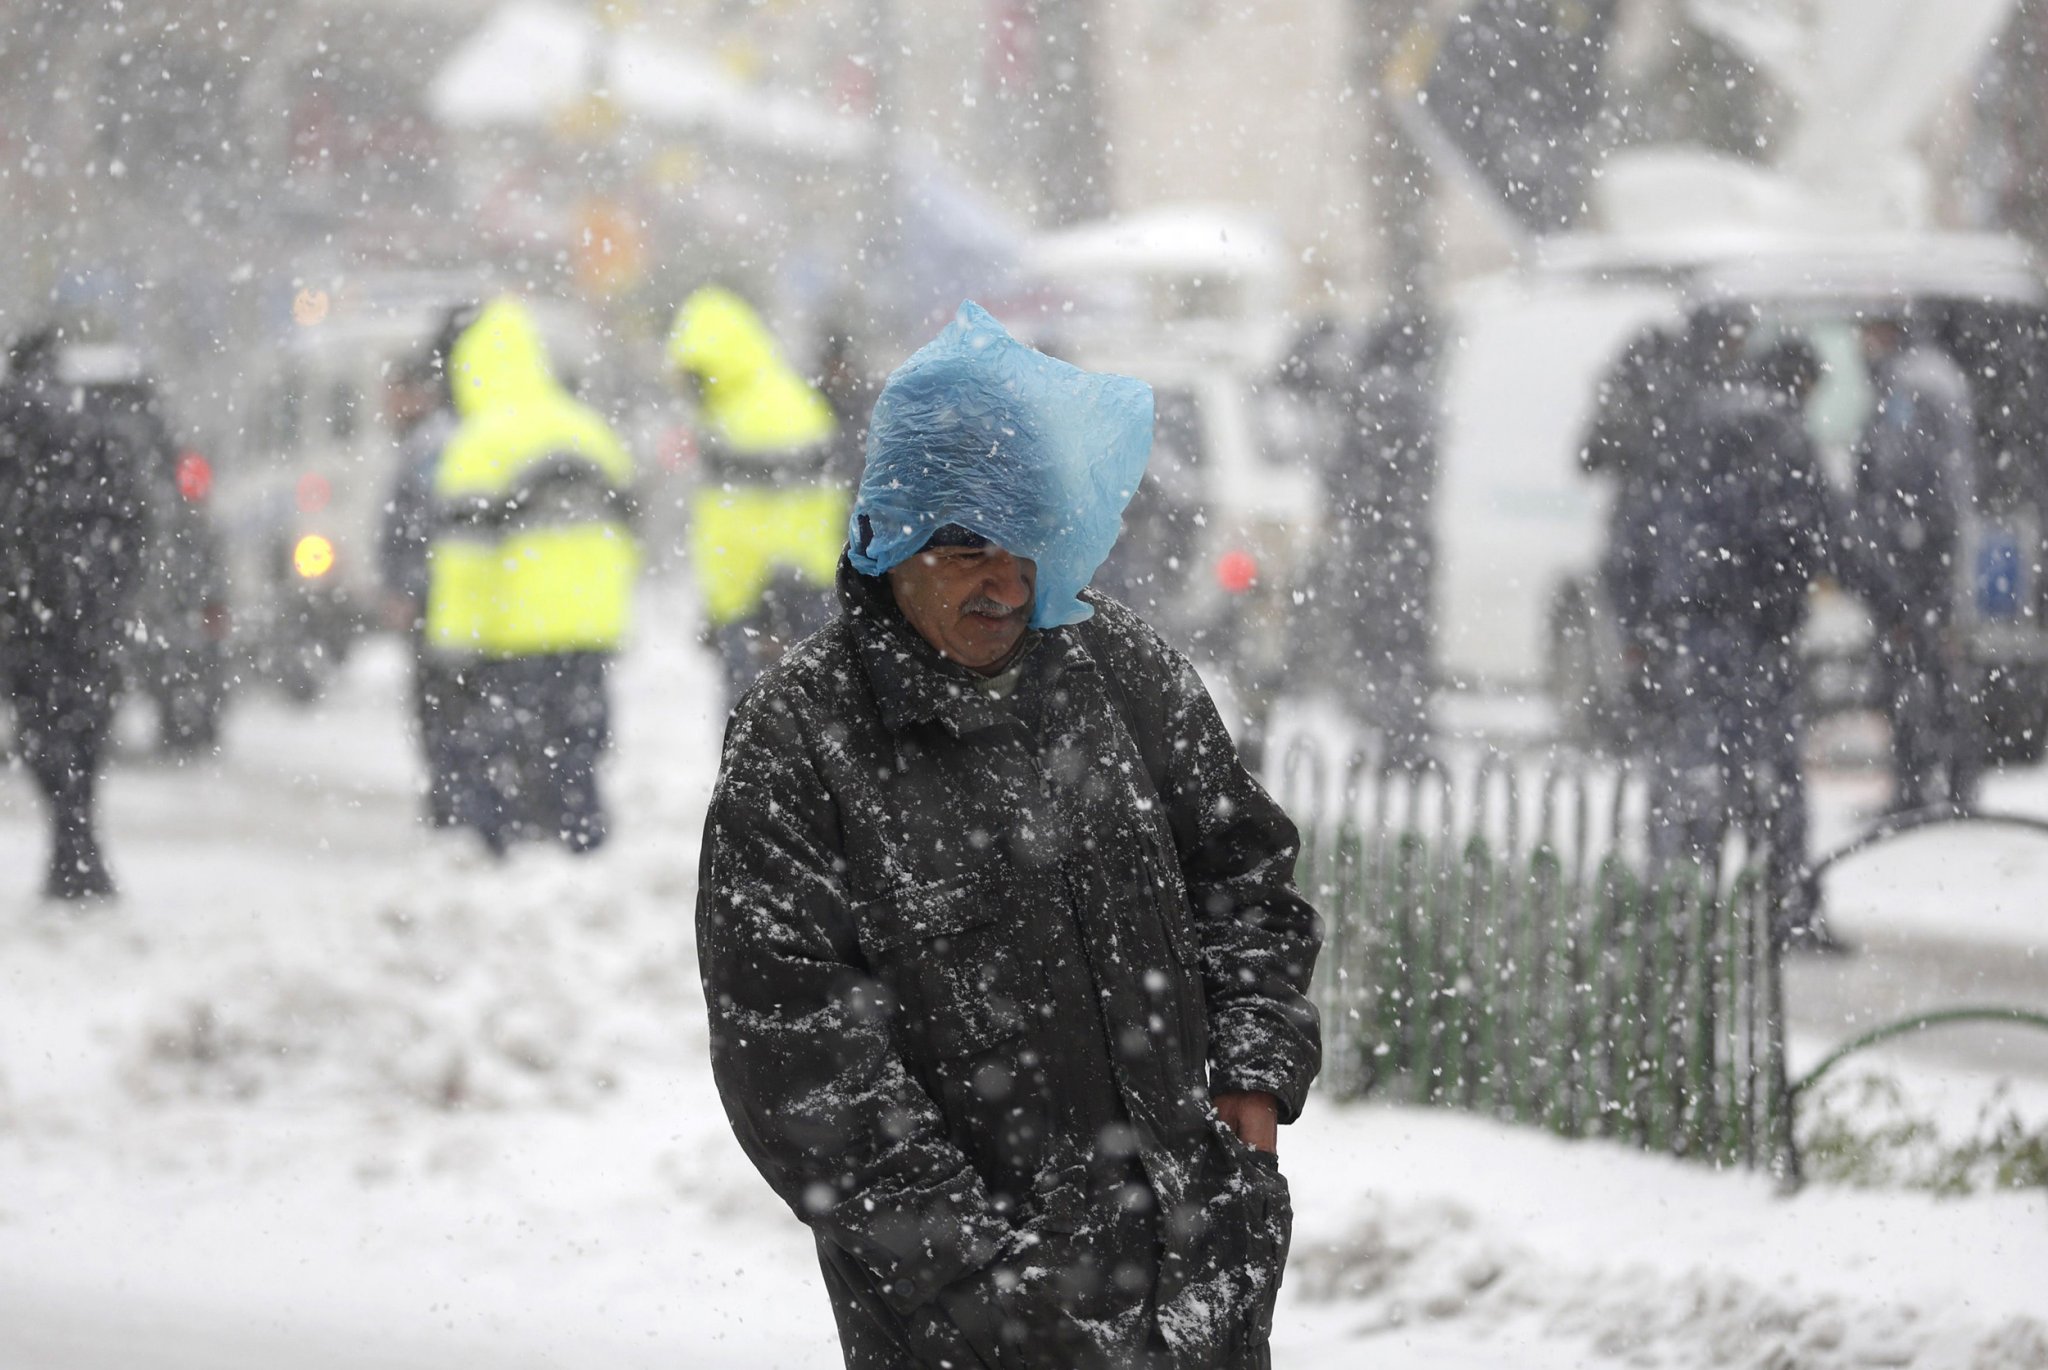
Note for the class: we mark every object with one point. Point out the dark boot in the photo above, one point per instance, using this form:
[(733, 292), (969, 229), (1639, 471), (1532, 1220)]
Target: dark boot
[(68, 771), (77, 871), (577, 711)]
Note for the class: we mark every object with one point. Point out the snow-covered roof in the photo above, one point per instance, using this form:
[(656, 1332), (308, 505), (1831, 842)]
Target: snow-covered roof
[(1187, 239), (99, 364), (1757, 263), (525, 62), (531, 60)]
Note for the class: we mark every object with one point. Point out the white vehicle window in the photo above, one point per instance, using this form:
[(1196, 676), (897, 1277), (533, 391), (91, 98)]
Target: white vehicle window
[(1840, 407)]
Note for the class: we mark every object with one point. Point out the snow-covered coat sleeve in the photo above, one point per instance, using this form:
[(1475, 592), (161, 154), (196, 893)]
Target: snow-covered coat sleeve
[(1237, 849), (800, 1047)]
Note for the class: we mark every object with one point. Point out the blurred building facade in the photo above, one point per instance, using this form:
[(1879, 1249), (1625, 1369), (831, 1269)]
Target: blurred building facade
[(166, 158), (1066, 109)]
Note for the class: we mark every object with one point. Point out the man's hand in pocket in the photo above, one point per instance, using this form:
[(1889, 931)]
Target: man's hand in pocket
[(1255, 1118)]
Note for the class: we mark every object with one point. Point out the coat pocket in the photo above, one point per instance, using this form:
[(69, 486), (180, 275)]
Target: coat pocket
[(1257, 1196), (956, 962), (1269, 1219)]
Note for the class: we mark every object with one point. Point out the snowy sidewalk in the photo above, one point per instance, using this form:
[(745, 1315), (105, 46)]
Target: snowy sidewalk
[(323, 1092)]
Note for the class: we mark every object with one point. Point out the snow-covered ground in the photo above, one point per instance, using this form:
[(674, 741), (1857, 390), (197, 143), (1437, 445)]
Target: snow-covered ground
[(323, 1091)]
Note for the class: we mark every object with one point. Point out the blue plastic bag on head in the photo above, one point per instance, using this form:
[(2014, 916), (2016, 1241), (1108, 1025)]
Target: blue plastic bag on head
[(1037, 456)]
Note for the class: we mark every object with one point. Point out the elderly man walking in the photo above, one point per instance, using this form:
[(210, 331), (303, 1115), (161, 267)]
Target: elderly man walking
[(1004, 961)]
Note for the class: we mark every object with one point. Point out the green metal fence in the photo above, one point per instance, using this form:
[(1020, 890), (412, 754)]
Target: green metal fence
[(1496, 942)]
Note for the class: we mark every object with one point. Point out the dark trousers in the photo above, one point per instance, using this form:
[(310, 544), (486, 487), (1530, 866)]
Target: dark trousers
[(1730, 760), (1936, 755), (441, 700), (63, 707), (540, 725)]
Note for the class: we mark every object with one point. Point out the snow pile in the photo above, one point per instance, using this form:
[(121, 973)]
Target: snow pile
[(1434, 1261), (527, 986)]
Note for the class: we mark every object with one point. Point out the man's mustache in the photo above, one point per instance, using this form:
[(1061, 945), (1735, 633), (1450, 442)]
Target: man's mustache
[(992, 608)]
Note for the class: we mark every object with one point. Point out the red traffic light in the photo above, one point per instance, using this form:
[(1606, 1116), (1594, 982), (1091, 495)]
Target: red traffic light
[(195, 477), (1237, 572), (314, 492)]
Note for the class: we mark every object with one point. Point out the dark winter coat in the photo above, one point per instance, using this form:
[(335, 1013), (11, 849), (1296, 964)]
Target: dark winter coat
[(1635, 409), (1727, 538), (1914, 487), (73, 519), (974, 969), (1722, 552), (1745, 519), (1639, 414)]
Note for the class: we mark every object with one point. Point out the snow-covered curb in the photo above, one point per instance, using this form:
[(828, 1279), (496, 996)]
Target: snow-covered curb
[(1425, 1216)]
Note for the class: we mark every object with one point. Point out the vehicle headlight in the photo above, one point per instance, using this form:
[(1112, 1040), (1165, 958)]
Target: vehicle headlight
[(313, 557)]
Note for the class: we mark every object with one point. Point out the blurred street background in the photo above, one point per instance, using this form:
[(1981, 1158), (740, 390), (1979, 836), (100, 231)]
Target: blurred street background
[(360, 1069)]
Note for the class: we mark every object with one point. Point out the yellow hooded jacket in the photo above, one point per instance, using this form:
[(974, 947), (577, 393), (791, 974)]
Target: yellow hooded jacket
[(762, 415), (531, 553)]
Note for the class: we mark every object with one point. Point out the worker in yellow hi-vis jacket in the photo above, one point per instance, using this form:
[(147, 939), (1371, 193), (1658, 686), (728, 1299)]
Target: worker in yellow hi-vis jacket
[(530, 574), (768, 521)]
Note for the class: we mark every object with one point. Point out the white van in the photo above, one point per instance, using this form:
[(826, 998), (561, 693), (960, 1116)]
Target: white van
[(1520, 525)]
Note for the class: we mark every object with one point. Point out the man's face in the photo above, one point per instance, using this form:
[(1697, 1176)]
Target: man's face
[(971, 603), (1881, 338)]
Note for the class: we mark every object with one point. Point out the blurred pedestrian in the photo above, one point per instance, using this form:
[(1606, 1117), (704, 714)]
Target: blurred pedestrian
[(530, 577), (1801, 526), (1005, 964), (420, 410), (1635, 407), (1915, 486), (1636, 420), (73, 507), (1380, 491), (1738, 537), (770, 514), (174, 652)]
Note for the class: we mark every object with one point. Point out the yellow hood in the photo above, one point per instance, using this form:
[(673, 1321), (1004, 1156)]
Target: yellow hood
[(500, 362), (753, 398)]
